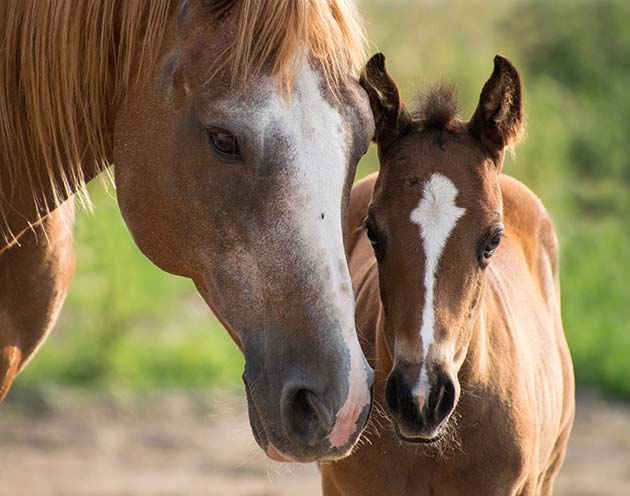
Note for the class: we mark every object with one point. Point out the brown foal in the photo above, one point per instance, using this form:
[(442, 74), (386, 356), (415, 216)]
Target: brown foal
[(467, 339)]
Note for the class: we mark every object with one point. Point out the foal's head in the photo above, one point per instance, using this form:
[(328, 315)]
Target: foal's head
[(435, 223)]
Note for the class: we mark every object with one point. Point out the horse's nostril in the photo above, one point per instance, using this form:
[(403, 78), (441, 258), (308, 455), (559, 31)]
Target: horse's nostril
[(305, 411), (306, 418)]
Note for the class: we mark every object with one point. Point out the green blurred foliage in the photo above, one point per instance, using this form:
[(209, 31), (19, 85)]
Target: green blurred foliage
[(126, 323), (574, 59)]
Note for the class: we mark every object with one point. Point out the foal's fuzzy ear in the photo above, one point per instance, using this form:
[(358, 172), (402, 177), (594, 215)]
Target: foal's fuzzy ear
[(498, 120), (390, 114)]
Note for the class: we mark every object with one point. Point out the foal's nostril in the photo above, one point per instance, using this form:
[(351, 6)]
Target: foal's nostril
[(391, 394), (399, 397), (305, 416), (442, 398)]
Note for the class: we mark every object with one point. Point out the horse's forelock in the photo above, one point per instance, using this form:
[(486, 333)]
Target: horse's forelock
[(273, 34)]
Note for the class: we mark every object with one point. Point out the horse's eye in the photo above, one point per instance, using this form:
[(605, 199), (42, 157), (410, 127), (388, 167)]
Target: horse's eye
[(370, 231), (224, 144)]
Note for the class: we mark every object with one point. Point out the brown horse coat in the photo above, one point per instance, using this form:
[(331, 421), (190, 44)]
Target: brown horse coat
[(209, 111), (509, 430), (34, 279)]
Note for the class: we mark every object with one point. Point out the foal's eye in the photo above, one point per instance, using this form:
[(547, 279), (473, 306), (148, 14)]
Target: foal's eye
[(224, 144), (374, 237), (491, 244)]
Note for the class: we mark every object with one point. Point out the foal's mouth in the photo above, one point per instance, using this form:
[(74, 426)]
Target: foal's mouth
[(418, 440)]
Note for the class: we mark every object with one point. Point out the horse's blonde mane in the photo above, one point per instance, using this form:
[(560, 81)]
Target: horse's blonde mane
[(65, 64), (275, 33)]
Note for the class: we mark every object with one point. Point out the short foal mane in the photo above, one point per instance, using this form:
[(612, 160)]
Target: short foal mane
[(437, 108), (63, 66)]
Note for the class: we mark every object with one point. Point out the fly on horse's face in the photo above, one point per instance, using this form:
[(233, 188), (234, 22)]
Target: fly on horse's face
[(244, 190), (434, 223)]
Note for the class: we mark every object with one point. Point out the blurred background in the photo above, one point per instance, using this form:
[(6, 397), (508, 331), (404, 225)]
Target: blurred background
[(137, 349)]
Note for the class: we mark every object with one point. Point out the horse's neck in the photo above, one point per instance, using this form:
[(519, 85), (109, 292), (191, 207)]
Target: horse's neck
[(22, 213), (50, 155)]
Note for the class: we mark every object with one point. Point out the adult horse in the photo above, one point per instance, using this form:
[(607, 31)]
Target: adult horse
[(210, 110), (471, 359)]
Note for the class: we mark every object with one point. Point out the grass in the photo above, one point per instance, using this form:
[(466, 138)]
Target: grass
[(126, 323), (595, 297)]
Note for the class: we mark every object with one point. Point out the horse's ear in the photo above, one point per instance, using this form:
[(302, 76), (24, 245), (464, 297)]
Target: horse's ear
[(498, 120), (390, 113)]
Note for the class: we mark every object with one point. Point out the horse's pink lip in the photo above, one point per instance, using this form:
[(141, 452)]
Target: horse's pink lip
[(274, 454)]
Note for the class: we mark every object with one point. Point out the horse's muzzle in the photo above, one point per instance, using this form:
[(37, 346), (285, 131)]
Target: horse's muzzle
[(302, 432)]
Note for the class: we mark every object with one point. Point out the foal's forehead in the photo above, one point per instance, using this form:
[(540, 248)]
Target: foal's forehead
[(425, 149), (419, 155)]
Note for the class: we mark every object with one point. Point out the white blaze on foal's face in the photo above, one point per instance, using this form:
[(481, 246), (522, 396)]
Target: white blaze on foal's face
[(436, 215)]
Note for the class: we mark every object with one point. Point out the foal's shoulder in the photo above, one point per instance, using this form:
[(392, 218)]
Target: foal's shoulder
[(526, 218)]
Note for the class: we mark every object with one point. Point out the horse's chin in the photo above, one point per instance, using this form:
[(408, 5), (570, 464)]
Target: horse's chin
[(260, 435), (275, 455)]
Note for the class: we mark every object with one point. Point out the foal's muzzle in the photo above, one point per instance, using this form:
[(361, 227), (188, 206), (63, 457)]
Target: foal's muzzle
[(420, 415)]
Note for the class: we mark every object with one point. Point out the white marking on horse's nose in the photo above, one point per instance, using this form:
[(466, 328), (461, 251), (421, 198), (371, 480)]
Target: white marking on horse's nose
[(436, 214), (358, 396), (315, 133)]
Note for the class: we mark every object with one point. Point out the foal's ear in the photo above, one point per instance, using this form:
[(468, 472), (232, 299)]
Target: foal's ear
[(498, 120), (390, 115)]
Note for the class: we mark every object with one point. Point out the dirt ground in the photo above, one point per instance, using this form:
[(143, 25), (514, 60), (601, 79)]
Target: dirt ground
[(179, 444)]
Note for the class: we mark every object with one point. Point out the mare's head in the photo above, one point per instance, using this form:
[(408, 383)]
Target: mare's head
[(233, 168), (435, 223)]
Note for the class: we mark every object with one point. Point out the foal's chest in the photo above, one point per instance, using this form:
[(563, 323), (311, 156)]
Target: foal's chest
[(477, 464)]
